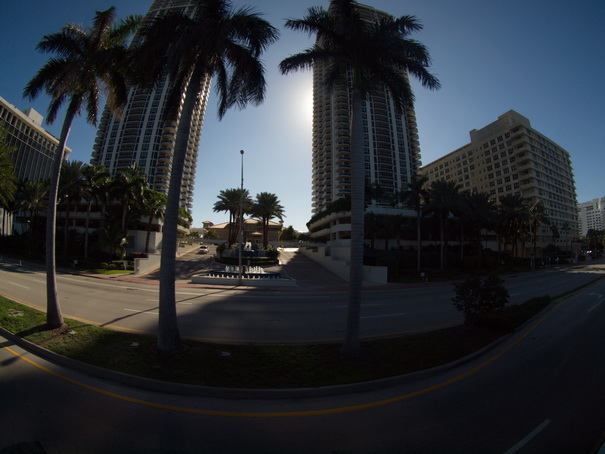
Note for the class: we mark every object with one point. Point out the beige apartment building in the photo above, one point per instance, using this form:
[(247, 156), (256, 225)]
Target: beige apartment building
[(33, 152), (507, 157), (34, 148)]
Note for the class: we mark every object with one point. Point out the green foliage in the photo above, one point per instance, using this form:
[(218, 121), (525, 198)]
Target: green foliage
[(288, 234), (117, 265), (338, 206), (478, 296), (211, 234), (508, 319), (8, 180), (272, 254)]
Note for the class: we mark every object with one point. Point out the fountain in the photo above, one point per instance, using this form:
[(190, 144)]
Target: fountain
[(252, 276)]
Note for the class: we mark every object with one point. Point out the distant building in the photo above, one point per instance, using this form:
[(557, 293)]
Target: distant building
[(592, 215), (34, 150), (34, 147), (252, 231), (507, 157), (140, 135)]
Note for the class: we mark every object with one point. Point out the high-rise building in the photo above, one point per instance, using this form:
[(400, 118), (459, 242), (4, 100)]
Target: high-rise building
[(592, 215), (33, 151), (509, 157), (391, 149), (140, 136), (34, 148)]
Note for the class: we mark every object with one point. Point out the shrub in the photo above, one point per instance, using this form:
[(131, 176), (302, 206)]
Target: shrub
[(510, 318), (478, 296)]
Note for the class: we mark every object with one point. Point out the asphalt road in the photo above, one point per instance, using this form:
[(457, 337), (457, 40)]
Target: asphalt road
[(308, 313), (540, 391)]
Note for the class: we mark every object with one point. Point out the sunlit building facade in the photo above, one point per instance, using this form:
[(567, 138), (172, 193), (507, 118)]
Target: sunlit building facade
[(509, 157), (592, 215), (140, 136), (33, 147), (33, 153)]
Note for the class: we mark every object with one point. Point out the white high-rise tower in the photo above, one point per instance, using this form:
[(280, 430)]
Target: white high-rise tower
[(140, 135)]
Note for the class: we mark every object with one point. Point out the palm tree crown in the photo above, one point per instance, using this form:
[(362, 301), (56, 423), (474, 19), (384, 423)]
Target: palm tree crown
[(214, 40), (374, 54), (443, 199), (229, 201), (87, 59), (267, 206)]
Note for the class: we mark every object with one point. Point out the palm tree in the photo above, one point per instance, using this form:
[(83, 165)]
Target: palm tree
[(71, 187), (229, 201), (128, 188), (31, 196), (415, 197), (443, 200), (213, 41), (96, 182), (87, 59), (479, 213), (512, 218), (537, 217), (266, 207), (361, 55), (154, 206)]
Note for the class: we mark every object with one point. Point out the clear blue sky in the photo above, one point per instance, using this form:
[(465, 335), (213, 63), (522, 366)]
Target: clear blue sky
[(543, 58)]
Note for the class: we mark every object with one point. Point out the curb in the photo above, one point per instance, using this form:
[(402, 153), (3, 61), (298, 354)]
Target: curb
[(241, 393)]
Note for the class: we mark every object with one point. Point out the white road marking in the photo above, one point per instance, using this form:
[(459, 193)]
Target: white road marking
[(142, 312), (528, 438), (594, 307), (18, 285), (385, 315)]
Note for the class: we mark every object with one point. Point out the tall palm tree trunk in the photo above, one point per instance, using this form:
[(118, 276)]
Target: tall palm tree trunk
[(265, 232), (169, 339), (351, 344), (54, 317), (66, 228), (148, 237), (418, 240)]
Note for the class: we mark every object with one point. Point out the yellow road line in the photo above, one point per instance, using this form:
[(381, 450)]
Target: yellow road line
[(326, 411)]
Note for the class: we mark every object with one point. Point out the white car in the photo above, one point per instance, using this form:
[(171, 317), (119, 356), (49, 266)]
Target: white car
[(203, 250)]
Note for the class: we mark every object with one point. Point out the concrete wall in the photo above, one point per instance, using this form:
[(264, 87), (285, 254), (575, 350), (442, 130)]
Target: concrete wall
[(340, 267)]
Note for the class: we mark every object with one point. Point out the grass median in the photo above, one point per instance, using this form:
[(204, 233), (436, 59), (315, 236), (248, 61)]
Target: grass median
[(262, 366)]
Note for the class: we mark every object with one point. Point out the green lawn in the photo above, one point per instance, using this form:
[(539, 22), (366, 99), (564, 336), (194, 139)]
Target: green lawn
[(261, 366)]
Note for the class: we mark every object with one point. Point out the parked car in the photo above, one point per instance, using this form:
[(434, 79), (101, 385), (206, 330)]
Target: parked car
[(203, 250)]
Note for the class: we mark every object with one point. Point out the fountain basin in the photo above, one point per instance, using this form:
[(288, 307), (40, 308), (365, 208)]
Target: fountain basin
[(265, 279)]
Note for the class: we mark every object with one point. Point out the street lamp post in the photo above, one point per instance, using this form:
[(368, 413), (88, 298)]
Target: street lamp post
[(241, 220)]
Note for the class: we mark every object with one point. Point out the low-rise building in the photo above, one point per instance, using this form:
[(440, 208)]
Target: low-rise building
[(252, 231)]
